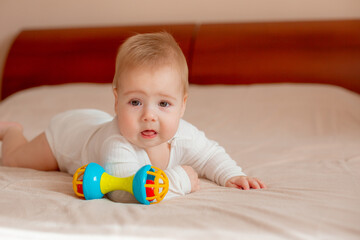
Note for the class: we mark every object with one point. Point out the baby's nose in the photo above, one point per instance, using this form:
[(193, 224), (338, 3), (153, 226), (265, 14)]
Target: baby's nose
[(149, 115)]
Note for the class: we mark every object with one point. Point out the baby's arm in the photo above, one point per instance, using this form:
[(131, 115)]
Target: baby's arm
[(211, 161), (224, 170)]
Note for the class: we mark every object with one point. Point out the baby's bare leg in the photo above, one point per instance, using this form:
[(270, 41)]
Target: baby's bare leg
[(18, 152)]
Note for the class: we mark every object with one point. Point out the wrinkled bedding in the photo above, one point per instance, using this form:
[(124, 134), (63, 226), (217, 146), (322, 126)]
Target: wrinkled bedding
[(302, 140)]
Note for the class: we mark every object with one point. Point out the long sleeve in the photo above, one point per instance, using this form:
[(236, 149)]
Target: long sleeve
[(208, 158)]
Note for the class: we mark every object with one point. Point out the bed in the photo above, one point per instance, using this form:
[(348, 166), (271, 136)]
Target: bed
[(283, 98)]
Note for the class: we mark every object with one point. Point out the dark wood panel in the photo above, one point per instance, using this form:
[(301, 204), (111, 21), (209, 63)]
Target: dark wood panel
[(245, 53), (238, 53)]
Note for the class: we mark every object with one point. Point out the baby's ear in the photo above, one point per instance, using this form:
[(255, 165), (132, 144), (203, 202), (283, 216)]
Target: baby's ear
[(184, 105), (116, 97), (115, 92)]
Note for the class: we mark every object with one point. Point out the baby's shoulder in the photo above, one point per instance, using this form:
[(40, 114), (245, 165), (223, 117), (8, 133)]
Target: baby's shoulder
[(186, 129), (116, 141), (188, 132)]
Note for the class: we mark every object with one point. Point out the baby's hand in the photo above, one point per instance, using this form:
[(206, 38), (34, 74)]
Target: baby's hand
[(193, 176), (245, 183)]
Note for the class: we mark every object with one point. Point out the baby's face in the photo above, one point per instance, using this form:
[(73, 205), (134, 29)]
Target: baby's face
[(149, 103)]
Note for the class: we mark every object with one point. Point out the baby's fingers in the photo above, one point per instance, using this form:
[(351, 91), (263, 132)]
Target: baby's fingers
[(243, 183), (256, 183), (231, 184), (262, 185)]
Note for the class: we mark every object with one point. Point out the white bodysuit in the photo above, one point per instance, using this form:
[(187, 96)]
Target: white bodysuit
[(78, 137)]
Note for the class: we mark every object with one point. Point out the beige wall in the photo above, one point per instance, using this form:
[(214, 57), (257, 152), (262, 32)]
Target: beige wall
[(16, 15)]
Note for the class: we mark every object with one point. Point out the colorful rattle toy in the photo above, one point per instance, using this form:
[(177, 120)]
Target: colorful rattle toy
[(149, 185)]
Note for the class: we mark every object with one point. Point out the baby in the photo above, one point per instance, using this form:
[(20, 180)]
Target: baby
[(150, 88)]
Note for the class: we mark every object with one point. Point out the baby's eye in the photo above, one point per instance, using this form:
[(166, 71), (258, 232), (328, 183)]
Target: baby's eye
[(164, 104), (135, 102)]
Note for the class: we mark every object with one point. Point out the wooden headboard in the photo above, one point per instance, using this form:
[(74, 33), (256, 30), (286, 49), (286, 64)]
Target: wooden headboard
[(233, 53)]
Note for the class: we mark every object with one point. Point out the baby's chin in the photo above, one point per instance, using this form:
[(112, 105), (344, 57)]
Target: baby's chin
[(146, 143)]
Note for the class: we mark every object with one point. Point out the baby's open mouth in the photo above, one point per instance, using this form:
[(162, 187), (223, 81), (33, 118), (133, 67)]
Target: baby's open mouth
[(148, 134)]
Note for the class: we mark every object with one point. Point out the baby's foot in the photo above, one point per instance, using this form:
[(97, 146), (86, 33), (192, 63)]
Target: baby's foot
[(5, 126)]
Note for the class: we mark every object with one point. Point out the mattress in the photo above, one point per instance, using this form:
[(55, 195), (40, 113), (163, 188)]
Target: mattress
[(302, 140)]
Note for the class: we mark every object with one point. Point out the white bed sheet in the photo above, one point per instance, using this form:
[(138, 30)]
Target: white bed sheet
[(302, 140)]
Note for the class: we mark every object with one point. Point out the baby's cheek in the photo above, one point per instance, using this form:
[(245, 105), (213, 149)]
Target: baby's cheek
[(170, 128), (127, 126)]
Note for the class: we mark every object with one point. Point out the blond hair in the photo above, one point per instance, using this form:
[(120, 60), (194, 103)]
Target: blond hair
[(151, 49)]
